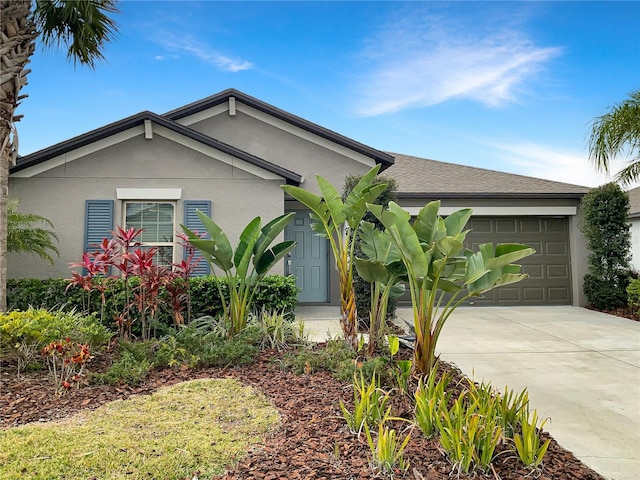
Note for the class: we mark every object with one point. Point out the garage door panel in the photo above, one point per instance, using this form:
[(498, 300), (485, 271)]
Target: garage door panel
[(483, 225), (532, 295), (531, 225), (506, 225), (558, 225), (556, 248), (549, 270), (558, 271), (509, 295), (534, 271), (560, 296)]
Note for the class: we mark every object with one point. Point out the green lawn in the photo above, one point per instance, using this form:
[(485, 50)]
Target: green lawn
[(201, 425)]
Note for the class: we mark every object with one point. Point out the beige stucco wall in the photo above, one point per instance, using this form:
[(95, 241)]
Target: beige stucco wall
[(285, 149), (59, 194)]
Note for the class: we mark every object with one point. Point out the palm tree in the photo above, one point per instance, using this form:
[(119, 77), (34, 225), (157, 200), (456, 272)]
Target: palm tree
[(617, 132), (24, 236), (82, 26)]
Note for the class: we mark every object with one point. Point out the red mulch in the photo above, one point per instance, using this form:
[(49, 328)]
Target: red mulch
[(624, 312), (311, 443)]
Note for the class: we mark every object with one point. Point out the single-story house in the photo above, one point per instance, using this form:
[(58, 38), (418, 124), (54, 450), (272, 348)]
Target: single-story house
[(634, 221), (228, 155)]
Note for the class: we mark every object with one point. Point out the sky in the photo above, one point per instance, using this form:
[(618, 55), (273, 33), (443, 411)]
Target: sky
[(508, 86)]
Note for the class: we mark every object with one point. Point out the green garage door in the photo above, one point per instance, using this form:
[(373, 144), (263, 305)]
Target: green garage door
[(549, 270)]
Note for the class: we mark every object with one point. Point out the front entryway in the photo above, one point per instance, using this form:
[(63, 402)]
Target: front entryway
[(309, 261)]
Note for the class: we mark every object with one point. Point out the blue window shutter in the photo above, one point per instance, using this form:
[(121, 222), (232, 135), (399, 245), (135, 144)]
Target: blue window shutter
[(98, 222), (193, 223)]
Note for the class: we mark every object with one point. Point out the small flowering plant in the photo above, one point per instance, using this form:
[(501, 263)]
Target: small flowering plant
[(66, 361)]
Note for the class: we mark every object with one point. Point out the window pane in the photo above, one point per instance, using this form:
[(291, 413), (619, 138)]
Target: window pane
[(156, 221)]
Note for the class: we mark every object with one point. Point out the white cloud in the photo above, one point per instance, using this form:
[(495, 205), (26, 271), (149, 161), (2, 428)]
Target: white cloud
[(429, 59), (191, 46), (554, 164)]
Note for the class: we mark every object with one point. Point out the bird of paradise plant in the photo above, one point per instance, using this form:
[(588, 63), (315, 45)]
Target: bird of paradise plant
[(329, 215)]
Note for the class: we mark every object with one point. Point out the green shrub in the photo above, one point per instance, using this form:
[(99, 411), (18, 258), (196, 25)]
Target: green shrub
[(275, 293), (368, 367), (313, 359), (633, 296), (24, 333), (126, 369), (604, 223)]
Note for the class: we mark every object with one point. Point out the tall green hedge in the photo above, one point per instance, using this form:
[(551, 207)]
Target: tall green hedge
[(276, 293), (604, 223)]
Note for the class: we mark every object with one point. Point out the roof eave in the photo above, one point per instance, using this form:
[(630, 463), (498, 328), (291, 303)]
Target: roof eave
[(484, 195), (41, 156)]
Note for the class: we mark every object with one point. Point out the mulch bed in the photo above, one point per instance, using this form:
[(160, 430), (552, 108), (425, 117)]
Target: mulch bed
[(311, 443), (624, 312)]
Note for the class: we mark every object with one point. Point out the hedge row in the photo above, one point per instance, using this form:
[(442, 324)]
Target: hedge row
[(275, 293)]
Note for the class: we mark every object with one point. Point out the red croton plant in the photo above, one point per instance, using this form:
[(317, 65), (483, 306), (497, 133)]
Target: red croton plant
[(124, 257)]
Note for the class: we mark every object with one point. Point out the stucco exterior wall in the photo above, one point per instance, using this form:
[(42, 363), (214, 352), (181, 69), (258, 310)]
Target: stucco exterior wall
[(634, 224), (285, 149), (236, 195)]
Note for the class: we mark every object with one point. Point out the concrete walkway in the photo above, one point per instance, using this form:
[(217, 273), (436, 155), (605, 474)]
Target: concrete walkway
[(581, 368)]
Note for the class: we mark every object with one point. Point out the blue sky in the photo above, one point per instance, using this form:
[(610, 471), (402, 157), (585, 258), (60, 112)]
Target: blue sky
[(509, 86)]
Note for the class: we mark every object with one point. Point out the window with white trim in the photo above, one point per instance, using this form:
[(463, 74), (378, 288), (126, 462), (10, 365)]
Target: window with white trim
[(157, 219)]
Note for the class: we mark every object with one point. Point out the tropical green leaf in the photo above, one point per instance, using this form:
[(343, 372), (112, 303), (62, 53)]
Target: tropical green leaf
[(371, 270), (506, 254), (426, 221), (270, 232), (305, 197), (333, 200), (355, 210), (272, 256), (364, 183), (244, 251), (456, 222)]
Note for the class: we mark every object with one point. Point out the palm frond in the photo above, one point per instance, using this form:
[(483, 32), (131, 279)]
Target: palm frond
[(82, 26), (615, 133), (24, 236)]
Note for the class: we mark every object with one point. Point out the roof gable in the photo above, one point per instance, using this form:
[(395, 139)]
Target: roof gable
[(232, 95), (99, 138)]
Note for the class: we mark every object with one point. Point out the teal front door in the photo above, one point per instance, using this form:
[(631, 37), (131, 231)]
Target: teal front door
[(308, 262)]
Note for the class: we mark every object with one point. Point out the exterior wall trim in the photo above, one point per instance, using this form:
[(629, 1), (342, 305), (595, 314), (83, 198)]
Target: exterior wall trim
[(148, 193), (507, 211), (80, 152)]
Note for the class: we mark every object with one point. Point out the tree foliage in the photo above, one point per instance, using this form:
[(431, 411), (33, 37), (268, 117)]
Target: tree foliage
[(604, 223), (618, 132), (83, 26)]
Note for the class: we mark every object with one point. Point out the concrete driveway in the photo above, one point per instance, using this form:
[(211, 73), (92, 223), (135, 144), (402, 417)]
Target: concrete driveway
[(581, 368)]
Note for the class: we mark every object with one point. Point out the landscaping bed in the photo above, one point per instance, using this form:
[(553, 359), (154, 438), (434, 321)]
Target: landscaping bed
[(312, 441)]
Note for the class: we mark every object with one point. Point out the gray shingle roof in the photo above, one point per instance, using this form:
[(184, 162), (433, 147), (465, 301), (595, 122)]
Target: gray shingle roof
[(423, 177)]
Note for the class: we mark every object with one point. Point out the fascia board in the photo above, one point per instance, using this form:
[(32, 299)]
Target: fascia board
[(80, 152)]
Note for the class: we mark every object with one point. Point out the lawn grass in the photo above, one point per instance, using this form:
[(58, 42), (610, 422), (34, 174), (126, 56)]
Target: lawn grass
[(196, 426)]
